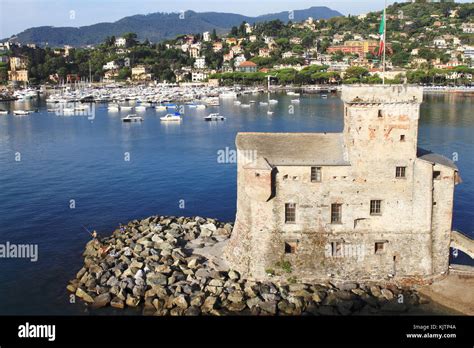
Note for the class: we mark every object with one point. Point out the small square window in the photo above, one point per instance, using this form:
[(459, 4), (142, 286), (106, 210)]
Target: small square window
[(315, 174), (376, 207), (400, 172), (437, 175), (291, 247), (402, 137), (379, 247), (290, 213), (257, 174), (380, 113)]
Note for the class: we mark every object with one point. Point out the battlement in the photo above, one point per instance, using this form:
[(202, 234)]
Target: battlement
[(381, 94)]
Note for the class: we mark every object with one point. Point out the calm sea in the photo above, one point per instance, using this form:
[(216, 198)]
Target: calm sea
[(172, 169)]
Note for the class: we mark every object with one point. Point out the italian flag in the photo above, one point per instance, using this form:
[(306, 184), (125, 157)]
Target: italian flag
[(382, 35)]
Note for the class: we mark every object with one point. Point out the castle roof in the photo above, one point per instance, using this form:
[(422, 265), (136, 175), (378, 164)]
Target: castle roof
[(435, 158), (295, 149)]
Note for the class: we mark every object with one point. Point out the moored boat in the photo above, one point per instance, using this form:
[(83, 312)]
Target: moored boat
[(132, 118), (21, 112), (176, 117), (214, 117)]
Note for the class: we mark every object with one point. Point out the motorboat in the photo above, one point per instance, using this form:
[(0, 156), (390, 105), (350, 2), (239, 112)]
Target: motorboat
[(113, 107), (176, 117), (295, 101), (132, 118), (3, 112), (263, 103), (324, 96), (228, 95), (214, 117), (21, 112), (269, 112), (245, 105), (140, 108), (273, 101), (200, 106)]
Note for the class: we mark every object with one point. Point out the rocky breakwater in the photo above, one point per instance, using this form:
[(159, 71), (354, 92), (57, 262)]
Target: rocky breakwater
[(172, 266)]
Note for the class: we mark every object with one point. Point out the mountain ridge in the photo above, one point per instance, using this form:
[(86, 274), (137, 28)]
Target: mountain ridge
[(157, 26)]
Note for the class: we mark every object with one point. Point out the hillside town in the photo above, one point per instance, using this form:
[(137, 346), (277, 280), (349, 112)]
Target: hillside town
[(427, 43)]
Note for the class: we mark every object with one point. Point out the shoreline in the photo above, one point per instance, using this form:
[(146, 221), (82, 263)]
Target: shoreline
[(172, 266)]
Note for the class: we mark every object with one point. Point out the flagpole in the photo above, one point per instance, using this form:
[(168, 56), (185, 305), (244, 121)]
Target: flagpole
[(384, 38)]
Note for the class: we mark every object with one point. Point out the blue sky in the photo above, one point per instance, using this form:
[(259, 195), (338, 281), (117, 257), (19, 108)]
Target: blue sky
[(18, 15)]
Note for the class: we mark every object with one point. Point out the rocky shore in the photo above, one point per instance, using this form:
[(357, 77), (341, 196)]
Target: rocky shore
[(163, 266)]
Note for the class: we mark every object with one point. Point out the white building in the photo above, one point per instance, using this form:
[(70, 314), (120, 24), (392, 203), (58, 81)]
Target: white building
[(239, 59), (198, 76), (120, 42), (110, 65), (439, 42), (200, 63), (206, 36), (468, 28), (248, 28)]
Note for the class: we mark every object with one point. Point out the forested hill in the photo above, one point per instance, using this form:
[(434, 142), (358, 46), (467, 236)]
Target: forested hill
[(158, 26)]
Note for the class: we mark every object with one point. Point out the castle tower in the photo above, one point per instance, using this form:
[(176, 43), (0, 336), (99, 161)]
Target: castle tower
[(362, 204)]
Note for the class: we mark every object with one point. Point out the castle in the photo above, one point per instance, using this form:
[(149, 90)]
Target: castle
[(364, 204)]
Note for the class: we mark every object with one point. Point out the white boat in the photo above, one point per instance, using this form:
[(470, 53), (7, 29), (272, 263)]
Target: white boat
[(237, 102), (113, 107), (295, 101), (213, 102), (292, 93), (228, 95), (126, 107), (252, 102), (21, 112), (324, 96), (273, 101), (171, 117), (160, 108), (200, 106), (214, 117), (269, 112), (132, 118), (245, 105), (3, 112), (140, 108), (263, 103)]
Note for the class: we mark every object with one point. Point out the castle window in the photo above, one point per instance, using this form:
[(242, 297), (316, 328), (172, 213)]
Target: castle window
[(400, 172), (336, 213), (376, 207), (379, 247), (337, 249), (290, 247), (380, 113), (437, 175), (402, 137), (315, 174), (257, 174), (290, 213)]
